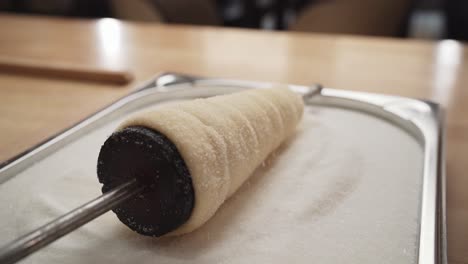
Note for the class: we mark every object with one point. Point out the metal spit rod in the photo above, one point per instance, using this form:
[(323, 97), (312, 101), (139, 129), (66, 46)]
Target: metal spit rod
[(48, 233)]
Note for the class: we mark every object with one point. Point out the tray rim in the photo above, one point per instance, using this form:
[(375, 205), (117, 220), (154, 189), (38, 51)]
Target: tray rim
[(422, 119)]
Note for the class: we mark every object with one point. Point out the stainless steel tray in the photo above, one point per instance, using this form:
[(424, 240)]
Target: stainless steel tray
[(421, 119)]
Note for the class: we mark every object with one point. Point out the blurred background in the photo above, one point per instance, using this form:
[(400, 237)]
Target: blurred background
[(428, 19)]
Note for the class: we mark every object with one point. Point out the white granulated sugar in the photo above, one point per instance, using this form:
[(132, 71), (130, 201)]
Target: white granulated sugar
[(344, 189)]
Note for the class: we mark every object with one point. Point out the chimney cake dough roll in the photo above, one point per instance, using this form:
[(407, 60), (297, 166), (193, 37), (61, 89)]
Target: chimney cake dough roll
[(194, 155)]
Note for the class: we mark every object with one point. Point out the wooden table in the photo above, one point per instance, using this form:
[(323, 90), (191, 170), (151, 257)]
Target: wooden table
[(32, 108)]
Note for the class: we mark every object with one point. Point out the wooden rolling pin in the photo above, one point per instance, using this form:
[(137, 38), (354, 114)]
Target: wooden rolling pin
[(49, 69)]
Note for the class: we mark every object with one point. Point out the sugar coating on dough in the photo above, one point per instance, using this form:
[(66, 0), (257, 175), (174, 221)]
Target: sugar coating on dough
[(222, 139)]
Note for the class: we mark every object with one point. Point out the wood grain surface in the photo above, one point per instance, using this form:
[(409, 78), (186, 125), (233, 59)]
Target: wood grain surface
[(34, 108)]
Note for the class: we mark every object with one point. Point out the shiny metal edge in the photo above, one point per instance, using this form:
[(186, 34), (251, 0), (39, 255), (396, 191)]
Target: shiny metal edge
[(420, 118)]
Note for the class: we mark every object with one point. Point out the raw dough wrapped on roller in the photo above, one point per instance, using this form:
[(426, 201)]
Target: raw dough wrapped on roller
[(194, 155)]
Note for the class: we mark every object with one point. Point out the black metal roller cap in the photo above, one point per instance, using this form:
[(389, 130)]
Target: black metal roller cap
[(150, 157)]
